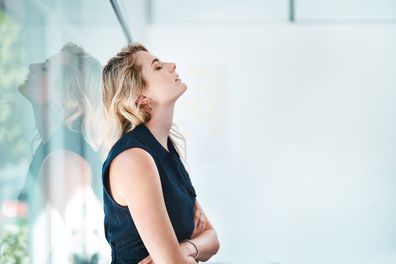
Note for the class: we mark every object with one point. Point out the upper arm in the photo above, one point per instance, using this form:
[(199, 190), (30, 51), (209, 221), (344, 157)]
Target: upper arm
[(61, 174), (135, 178)]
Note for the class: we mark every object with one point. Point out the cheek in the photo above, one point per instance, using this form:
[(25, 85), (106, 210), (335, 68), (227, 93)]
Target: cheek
[(158, 92), (161, 88), (160, 80), (37, 89)]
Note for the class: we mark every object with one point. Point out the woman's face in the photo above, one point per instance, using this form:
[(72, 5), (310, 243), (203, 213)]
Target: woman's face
[(42, 76), (162, 83)]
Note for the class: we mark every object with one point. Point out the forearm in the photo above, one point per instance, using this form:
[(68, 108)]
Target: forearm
[(207, 244)]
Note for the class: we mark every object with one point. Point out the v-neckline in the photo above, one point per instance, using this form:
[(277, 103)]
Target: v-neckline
[(156, 141)]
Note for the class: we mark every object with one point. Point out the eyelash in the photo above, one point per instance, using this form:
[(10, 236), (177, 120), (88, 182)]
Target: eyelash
[(158, 68)]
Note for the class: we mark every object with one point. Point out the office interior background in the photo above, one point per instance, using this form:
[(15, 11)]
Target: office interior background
[(289, 118)]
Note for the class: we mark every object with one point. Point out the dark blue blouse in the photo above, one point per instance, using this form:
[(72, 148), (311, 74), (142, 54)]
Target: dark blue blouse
[(178, 192)]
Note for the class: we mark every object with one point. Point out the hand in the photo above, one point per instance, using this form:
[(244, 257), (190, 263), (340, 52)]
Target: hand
[(147, 260), (199, 220), (199, 227), (191, 260)]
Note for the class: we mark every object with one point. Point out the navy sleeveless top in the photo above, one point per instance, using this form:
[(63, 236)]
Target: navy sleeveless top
[(178, 192)]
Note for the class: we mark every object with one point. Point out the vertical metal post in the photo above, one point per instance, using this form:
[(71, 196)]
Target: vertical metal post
[(121, 19), (292, 11), (149, 11)]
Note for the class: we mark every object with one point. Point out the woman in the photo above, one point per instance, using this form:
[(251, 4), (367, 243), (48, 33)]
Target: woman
[(149, 200), (62, 189)]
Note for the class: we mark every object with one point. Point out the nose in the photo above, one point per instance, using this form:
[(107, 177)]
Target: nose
[(173, 66), (32, 66)]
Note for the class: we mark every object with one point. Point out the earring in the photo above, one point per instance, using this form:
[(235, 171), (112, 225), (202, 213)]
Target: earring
[(149, 105)]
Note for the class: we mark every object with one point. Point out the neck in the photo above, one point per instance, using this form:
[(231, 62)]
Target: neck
[(161, 123), (41, 118)]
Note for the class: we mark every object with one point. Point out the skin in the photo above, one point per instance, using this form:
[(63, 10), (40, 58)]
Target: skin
[(62, 172), (142, 188)]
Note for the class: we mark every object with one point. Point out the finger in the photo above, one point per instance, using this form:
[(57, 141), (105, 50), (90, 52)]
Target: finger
[(203, 221), (196, 220), (146, 260), (202, 218), (201, 227), (195, 232), (197, 217)]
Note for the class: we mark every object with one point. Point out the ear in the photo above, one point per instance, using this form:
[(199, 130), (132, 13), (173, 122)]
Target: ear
[(142, 100)]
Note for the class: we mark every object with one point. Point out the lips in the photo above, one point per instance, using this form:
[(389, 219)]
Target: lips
[(177, 77)]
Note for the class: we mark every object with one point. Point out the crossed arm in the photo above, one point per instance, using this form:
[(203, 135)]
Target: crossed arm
[(141, 190), (204, 236)]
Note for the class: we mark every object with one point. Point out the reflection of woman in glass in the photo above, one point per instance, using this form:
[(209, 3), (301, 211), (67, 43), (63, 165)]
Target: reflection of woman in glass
[(64, 174), (149, 200)]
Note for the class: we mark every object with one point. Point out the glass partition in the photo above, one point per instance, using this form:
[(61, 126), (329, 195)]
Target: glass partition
[(51, 57)]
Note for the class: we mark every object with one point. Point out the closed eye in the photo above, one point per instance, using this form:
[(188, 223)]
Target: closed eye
[(157, 65)]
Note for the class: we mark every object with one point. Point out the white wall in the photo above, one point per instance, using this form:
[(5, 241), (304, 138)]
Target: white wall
[(229, 11), (346, 10), (290, 133)]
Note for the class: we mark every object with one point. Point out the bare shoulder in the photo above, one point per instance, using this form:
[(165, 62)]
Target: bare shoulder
[(133, 158), (132, 168), (64, 156), (65, 162), (133, 165), (61, 174)]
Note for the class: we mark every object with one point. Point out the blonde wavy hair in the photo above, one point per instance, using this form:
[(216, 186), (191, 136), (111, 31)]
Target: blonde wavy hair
[(78, 96), (123, 83)]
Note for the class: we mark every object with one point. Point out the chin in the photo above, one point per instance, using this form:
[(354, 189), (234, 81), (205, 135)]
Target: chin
[(179, 95), (184, 86), (22, 89), (184, 90)]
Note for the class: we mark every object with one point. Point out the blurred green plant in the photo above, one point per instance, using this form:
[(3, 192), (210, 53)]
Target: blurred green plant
[(13, 144), (14, 243)]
